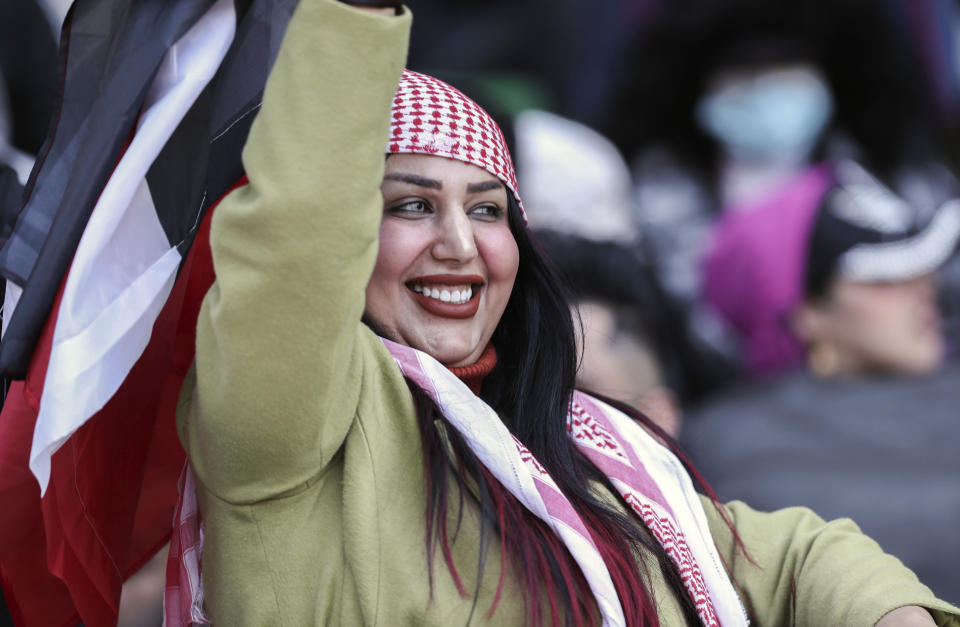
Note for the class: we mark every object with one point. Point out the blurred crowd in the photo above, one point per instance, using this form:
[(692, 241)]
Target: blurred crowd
[(756, 207)]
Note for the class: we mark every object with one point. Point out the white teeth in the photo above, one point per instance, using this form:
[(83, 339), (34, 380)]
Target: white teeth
[(460, 296), (457, 297)]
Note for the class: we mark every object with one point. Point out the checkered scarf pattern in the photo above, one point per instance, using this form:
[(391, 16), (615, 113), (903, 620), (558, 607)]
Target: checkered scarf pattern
[(432, 118)]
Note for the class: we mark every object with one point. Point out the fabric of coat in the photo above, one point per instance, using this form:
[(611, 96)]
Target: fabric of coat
[(302, 432)]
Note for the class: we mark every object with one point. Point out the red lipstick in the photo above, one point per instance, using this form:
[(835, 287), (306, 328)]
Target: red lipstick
[(448, 310), (447, 279)]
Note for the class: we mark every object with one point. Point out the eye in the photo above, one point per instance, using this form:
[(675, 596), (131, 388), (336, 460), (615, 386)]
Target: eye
[(486, 212), (411, 208)]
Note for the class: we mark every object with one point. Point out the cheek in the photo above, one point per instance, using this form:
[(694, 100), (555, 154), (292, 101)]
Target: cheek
[(500, 254), (878, 324), (393, 258), (397, 249), (884, 314), (858, 310)]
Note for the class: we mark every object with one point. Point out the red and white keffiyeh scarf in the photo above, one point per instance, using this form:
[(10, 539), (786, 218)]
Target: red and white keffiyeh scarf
[(649, 478)]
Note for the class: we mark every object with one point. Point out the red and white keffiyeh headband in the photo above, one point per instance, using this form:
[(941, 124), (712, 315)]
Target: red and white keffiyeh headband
[(432, 118)]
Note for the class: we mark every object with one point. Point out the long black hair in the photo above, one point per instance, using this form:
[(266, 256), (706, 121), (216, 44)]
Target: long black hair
[(531, 389)]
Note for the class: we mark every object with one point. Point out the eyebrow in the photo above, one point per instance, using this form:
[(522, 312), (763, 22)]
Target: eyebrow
[(474, 188), (413, 179)]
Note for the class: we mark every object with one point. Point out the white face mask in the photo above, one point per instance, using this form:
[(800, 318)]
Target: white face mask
[(774, 114)]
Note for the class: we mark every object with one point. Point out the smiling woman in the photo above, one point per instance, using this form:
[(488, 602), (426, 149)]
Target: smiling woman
[(435, 466)]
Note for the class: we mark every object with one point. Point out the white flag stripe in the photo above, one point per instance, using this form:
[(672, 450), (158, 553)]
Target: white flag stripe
[(11, 297), (124, 267)]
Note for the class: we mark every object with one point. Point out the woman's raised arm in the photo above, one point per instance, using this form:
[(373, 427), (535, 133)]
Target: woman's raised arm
[(277, 373)]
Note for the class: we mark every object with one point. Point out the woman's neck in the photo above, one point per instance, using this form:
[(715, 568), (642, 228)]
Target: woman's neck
[(743, 183), (474, 374)]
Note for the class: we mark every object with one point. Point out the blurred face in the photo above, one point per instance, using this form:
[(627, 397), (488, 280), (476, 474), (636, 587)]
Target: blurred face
[(891, 327), (618, 364), (771, 113), (447, 259), (614, 362)]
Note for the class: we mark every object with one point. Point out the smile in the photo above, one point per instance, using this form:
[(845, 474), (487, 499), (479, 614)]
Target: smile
[(447, 295), (456, 295)]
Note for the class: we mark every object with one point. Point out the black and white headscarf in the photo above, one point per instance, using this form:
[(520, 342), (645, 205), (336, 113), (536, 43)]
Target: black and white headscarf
[(866, 233)]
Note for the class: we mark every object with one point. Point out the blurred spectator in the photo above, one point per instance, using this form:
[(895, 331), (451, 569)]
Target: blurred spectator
[(577, 192), (577, 195), (834, 267), (727, 101), (835, 271), (816, 79), (576, 182), (573, 179), (625, 346)]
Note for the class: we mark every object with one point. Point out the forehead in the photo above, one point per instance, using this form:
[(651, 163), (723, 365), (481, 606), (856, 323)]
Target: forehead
[(750, 77), (438, 168), (849, 290)]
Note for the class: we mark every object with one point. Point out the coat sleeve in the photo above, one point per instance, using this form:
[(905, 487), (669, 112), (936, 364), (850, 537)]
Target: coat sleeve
[(800, 570), (278, 358)]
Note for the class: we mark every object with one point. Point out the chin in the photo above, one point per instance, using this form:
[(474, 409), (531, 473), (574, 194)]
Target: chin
[(450, 353), (921, 362), (454, 359), (929, 363)]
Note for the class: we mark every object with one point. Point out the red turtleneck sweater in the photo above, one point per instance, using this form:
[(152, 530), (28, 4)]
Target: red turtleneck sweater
[(474, 374)]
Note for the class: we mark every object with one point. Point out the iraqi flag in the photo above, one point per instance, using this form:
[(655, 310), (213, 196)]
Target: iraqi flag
[(157, 97)]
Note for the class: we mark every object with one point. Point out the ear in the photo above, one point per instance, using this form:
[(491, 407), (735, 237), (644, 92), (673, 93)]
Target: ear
[(807, 323)]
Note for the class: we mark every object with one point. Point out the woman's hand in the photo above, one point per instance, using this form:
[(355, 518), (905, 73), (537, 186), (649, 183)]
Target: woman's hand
[(908, 616)]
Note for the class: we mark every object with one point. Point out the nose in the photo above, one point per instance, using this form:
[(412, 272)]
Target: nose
[(454, 240)]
